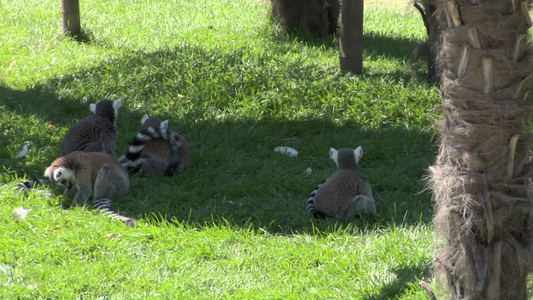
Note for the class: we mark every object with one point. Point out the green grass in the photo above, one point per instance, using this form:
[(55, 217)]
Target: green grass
[(234, 225)]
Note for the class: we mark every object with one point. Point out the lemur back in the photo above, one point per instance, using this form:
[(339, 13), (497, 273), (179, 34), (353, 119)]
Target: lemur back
[(96, 175), (95, 133), (346, 192), (156, 150)]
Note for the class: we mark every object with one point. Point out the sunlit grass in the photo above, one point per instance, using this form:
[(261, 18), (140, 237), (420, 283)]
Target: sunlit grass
[(234, 225)]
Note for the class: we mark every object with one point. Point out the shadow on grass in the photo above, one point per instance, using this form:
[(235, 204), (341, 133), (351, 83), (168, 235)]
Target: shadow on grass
[(236, 176), (405, 276), (375, 47), (86, 36), (374, 44), (388, 47)]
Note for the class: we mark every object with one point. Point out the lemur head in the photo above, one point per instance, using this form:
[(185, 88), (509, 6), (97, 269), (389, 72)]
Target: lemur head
[(61, 175), (346, 158), (106, 107), (148, 121), (60, 172)]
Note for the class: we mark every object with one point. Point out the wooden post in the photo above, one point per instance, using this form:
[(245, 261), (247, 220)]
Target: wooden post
[(351, 37), (71, 17)]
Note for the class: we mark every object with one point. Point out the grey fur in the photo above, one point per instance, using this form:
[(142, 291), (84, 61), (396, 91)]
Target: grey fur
[(96, 175), (345, 193), (95, 133), (156, 150)]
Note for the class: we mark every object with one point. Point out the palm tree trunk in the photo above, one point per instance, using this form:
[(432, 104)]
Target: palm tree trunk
[(481, 178)]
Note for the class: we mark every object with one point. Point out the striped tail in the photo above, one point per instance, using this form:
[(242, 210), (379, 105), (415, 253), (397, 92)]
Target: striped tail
[(30, 185), (310, 205), (133, 160), (26, 185), (104, 206)]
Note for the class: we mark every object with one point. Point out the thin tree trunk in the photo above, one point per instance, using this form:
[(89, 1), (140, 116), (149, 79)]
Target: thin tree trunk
[(351, 37), (481, 179), (71, 17)]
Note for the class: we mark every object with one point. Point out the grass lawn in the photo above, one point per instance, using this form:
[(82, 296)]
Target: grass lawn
[(234, 225)]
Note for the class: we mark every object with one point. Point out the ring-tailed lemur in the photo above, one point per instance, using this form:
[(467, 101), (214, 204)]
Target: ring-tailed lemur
[(95, 133), (156, 150), (96, 175), (346, 192)]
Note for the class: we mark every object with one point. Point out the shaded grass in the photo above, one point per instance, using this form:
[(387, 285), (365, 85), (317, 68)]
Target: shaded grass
[(234, 225)]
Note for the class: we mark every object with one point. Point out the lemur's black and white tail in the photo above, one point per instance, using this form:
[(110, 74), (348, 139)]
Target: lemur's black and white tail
[(132, 160), (104, 206), (101, 205), (26, 185), (30, 185), (310, 205)]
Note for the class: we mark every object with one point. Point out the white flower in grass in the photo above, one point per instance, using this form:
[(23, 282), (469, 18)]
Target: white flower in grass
[(20, 213), (287, 151), (25, 150)]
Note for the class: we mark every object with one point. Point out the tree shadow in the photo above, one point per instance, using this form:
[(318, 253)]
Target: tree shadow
[(246, 183), (405, 276), (85, 36), (306, 37), (377, 45), (269, 190), (374, 44)]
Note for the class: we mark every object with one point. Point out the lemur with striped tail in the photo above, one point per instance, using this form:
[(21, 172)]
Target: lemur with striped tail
[(156, 150), (95, 133), (96, 175), (346, 192)]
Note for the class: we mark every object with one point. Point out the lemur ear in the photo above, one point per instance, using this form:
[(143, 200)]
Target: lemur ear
[(334, 154), (164, 125), (358, 153), (116, 105), (144, 118), (47, 173), (92, 107)]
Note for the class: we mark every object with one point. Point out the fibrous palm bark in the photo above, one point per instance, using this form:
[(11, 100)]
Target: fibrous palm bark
[(482, 177)]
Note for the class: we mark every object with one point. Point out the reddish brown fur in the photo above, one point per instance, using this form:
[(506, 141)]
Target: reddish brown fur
[(160, 151), (85, 167)]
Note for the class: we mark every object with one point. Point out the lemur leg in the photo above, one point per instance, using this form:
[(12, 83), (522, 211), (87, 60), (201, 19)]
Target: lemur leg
[(112, 182), (84, 192), (367, 191), (371, 205), (152, 167), (357, 206), (66, 201)]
